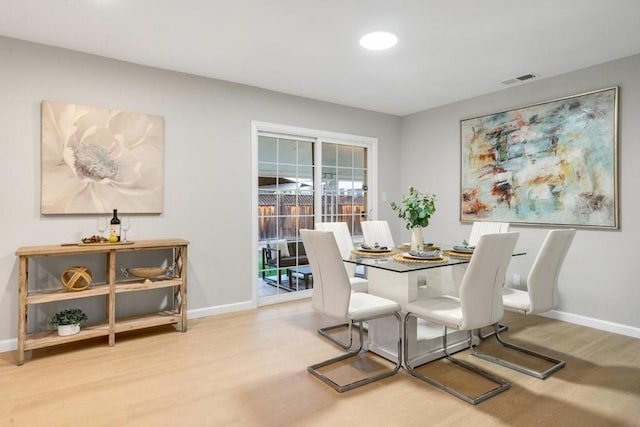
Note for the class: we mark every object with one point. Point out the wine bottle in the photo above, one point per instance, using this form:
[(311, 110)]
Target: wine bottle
[(114, 230)]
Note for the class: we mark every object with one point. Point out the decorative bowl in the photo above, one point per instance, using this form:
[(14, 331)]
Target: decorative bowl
[(147, 272), (76, 278)]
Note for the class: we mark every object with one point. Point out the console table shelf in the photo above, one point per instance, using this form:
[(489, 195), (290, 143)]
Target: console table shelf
[(41, 297), (112, 287), (148, 320), (50, 338)]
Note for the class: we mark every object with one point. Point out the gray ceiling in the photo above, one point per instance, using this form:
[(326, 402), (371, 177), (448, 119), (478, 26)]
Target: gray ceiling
[(447, 50)]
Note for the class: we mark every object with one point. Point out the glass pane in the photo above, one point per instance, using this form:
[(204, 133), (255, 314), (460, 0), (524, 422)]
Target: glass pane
[(267, 149), (267, 169), (287, 178), (359, 160), (345, 179), (305, 180), (359, 180), (305, 153), (345, 156), (329, 153), (330, 182), (288, 151)]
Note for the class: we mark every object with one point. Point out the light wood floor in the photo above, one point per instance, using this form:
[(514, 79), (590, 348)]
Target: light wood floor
[(249, 369)]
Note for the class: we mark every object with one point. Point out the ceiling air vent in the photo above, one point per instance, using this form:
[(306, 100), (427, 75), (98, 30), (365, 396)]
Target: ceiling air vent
[(522, 78)]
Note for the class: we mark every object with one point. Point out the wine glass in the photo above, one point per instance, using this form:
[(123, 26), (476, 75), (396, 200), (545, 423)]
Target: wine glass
[(125, 225), (101, 224)]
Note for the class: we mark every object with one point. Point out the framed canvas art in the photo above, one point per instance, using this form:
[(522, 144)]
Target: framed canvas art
[(552, 163), (95, 160)]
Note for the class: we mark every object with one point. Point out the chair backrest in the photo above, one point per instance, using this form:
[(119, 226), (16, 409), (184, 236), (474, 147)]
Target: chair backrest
[(542, 281), (341, 233), (482, 227), (377, 232), (331, 286), (481, 288)]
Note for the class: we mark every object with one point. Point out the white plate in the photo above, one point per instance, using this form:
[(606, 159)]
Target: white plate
[(463, 249), (374, 250), (425, 256)]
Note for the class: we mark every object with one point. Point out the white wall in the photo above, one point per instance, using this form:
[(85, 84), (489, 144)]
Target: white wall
[(208, 172), (207, 161), (599, 281)]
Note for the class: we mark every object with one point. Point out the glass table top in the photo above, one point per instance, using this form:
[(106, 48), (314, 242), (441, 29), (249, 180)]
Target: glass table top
[(389, 263)]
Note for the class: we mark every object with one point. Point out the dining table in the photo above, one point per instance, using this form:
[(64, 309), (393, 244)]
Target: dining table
[(404, 276)]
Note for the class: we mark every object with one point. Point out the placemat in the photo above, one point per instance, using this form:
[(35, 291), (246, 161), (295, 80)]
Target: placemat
[(373, 254), (401, 258), (456, 254)]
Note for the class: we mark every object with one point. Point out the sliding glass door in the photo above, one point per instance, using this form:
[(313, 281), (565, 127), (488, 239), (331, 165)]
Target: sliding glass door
[(302, 178)]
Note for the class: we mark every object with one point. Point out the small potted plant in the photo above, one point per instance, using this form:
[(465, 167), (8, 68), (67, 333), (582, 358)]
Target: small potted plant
[(68, 321), (417, 208)]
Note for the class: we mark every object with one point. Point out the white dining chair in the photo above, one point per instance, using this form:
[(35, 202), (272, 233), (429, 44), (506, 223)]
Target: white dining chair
[(484, 227), (377, 232), (450, 285), (479, 305), (332, 296), (541, 296), (344, 241)]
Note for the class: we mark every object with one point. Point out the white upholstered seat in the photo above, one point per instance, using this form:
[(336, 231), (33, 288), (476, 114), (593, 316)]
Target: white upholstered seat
[(541, 296), (332, 296), (479, 305)]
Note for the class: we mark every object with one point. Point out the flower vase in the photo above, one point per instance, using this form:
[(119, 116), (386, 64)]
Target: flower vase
[(417, 242)]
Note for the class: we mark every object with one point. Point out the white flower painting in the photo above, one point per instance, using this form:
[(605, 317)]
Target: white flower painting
[(95, 160)]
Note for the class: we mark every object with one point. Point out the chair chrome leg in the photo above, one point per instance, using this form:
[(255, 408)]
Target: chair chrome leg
[(502, 385), (557, 364), (492, 333), (325, 333), (314, 369)]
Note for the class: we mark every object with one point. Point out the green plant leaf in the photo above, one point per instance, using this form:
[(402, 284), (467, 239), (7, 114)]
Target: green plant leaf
[(68, 317), (417, 208)]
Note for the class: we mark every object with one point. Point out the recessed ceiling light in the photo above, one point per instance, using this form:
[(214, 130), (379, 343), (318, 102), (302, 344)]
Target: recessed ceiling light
[(378, 40)]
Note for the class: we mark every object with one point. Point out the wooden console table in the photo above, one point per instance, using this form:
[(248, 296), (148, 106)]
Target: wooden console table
[(110, 288)]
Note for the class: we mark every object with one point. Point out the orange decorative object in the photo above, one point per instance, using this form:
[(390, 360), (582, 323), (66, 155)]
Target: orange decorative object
[(76, 278)]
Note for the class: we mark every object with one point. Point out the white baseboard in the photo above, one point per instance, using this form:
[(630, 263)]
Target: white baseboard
[(617, 328), (220, 309), (603, 325), (8, 345)]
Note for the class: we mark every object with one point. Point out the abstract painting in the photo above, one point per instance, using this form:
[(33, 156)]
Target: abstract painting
[(552, 163), (95, 160)]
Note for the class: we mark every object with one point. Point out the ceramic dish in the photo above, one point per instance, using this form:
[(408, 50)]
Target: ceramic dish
[(464, 249), (377, 249), (423, 255)]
